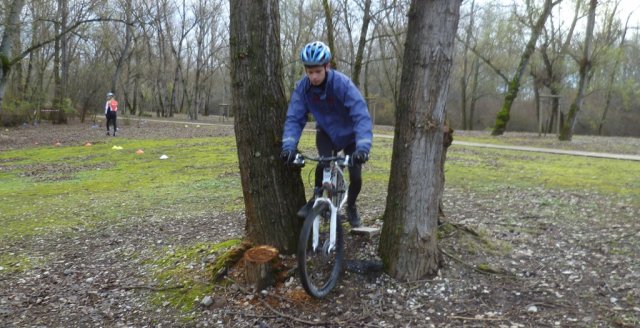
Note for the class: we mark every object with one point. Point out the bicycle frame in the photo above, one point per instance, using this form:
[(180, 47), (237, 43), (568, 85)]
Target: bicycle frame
[(329, 180)]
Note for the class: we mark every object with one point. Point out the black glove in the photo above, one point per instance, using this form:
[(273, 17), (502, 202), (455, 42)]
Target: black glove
[(288, 156), (360, 157)]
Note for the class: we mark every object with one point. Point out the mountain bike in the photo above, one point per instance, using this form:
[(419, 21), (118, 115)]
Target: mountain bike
[(321, 243)]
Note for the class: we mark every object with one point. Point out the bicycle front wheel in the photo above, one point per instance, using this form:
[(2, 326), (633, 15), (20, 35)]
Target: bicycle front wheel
[(320, 266)]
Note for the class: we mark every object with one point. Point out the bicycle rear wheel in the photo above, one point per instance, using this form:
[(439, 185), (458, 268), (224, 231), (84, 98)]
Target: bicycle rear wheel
[(319, 268)]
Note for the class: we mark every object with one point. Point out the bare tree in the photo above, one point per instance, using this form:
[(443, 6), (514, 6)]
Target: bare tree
[(272, 193), (9, 35), (553, 49), (357, 65), (298, 20), (408, 244), (612, 75), (390, 32), (128, 38), (203, 19), (585, 67), (464, 78), (60, 62), (513, 86), (328, 18)]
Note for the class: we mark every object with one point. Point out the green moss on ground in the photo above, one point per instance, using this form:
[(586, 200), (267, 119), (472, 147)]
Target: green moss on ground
[(182, 274)]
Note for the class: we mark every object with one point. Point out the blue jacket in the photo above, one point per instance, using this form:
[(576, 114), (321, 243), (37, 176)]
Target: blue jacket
[(338, 108)]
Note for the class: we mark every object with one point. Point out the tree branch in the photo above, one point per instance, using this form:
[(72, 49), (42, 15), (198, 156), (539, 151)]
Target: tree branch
[(485, 60), (27, 51)]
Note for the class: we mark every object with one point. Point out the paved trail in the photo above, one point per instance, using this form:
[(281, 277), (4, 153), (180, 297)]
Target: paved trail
[(552, 151), (472, 144)]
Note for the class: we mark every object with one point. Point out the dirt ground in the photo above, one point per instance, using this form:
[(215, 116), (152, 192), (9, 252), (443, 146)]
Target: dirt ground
[(555, 260)]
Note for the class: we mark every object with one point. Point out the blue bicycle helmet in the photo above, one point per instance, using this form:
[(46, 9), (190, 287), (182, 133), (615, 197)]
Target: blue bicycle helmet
[(315, 54)]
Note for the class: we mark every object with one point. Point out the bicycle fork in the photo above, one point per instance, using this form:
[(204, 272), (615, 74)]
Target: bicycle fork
[(332, 227)]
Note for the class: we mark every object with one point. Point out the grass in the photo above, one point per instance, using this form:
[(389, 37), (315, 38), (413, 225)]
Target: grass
[(58, 188), (39, 184), (55, 189), (487, 169)]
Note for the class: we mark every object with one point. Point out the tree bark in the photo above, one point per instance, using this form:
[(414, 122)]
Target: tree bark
[(61, 65), (447, 140), (464, 79), (474, 91), (357, 66), (328, 19), (408, 244), (10, 33), (260, 265), (585, 67), (272, 193), (513, 86)]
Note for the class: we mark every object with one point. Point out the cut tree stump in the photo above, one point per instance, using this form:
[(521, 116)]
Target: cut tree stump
[(261, 263)]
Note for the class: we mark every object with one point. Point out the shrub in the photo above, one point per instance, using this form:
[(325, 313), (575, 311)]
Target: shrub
[(15, 112)]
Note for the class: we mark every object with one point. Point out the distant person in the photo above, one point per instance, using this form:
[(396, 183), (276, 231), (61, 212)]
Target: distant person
[(110, 111), (342, 121)]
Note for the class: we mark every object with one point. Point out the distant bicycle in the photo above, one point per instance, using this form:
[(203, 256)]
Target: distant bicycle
[(321, 243)]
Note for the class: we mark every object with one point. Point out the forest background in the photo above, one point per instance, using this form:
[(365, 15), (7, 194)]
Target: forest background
[(167, 57)]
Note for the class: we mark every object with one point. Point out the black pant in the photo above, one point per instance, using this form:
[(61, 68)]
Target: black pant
[(111, 117), (327, 149)]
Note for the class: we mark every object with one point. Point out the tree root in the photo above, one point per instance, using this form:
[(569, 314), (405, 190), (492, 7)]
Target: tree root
[(155, 289), (459, 227), (476, 319), (480, 268)]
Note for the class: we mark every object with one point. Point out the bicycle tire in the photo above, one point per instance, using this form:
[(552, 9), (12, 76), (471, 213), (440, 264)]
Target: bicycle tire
[(318, 279)]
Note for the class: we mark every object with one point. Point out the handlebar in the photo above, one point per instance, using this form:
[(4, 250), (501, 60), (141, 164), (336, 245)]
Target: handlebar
[(340, 160)]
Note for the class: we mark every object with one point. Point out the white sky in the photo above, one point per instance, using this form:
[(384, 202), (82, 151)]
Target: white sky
[(625, 7), (566, 8)]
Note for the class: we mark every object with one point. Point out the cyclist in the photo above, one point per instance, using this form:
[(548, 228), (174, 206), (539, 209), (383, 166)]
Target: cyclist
[(342, 121), (110, 111)]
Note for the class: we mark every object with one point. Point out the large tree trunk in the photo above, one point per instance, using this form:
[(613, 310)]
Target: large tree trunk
[(10, 33), (513, 86), (585, 67), (272, 193), (408, 244)]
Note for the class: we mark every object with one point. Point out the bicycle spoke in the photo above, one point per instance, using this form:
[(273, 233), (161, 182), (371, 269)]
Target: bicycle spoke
[(319, 268)]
